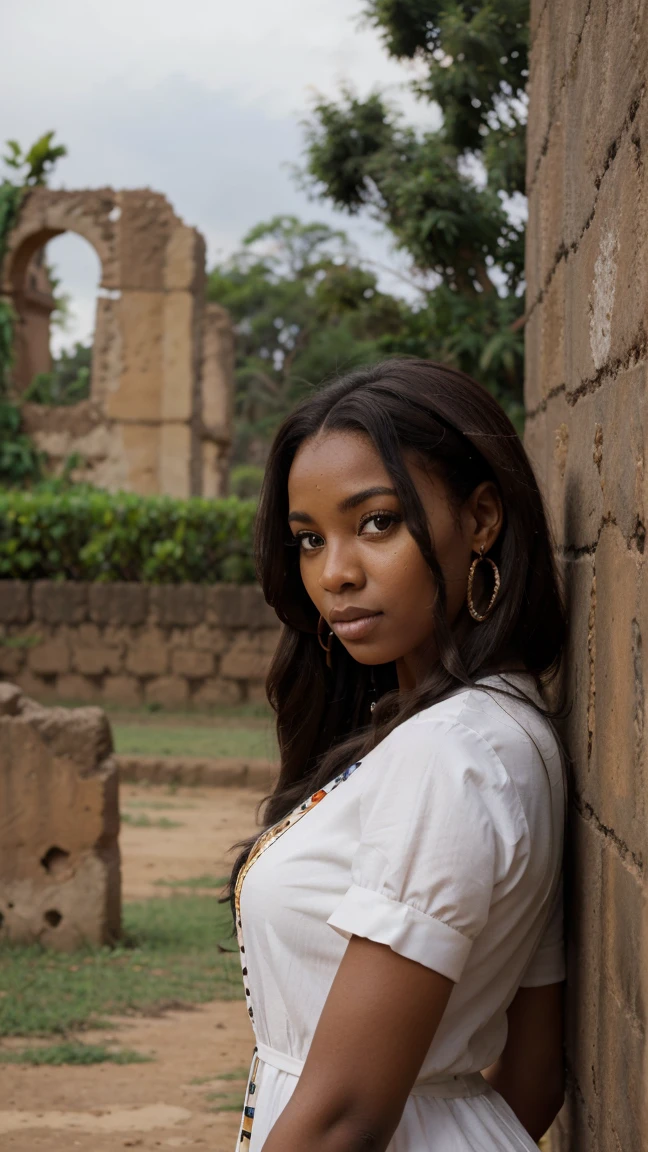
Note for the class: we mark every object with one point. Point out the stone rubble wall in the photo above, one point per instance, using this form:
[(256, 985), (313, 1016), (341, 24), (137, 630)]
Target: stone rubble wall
[(587, 433), (128, 644), (60, 877)]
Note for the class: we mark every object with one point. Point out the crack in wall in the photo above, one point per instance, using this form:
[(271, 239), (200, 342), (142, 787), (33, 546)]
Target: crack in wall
[(632, 861), (607, 373), (563, 81)]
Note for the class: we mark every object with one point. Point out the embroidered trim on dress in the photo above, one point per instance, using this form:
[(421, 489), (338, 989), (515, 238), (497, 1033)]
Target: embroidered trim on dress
[(265, 840)]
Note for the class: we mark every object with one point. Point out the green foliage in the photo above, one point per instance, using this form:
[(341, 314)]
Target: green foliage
[(20, 461), (36, 163), (67, 383), (86, 534), (169, 957), (305, 308), (245, 481), (442, 194), (72, 1052)]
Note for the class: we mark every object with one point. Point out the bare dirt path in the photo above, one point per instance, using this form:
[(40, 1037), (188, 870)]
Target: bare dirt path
[(189, 1095)]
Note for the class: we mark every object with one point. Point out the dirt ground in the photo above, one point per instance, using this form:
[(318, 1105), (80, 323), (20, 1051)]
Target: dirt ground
[(177, 1100)]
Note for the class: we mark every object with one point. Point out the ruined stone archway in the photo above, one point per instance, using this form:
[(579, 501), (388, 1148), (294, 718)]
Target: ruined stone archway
[(159, 414)]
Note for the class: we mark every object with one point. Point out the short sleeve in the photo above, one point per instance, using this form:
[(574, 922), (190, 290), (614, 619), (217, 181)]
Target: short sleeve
[(547, 965), (439, 830)]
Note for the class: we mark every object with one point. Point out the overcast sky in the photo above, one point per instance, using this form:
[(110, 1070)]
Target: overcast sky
[(198, 99)]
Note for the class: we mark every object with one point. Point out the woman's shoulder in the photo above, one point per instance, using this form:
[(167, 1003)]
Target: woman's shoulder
[(496, 726)]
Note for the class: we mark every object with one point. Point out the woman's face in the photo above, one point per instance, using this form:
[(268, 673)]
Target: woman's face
[(359, 563)]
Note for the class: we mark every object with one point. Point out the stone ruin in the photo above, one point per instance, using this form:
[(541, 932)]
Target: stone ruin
[(159, 416), (60, 876)]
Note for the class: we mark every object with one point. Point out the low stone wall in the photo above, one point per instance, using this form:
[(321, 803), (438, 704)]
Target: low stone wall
[(170, 645)]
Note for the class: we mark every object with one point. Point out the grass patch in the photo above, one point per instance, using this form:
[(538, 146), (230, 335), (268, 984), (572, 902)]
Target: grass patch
[(169, 958), (235, 1074), (141, 820), (225, 1101), (208, 742), (195, 882), (73, 1052)]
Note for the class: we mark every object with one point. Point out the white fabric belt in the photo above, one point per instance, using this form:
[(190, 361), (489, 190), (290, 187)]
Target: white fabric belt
[(443, 1087)]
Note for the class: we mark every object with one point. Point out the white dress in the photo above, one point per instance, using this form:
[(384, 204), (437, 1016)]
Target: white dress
[(445, 843)]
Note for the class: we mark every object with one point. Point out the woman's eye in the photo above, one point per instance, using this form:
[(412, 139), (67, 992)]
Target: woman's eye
[(309, 541), (378, 523)]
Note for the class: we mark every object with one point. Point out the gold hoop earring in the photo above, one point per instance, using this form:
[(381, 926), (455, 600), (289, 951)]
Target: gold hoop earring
[(327, 647), (480, 617)]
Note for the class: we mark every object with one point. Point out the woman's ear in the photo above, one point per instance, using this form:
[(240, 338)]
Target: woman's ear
[(485, 504)]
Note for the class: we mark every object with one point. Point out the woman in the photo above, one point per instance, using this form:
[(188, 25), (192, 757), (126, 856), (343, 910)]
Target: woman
[(400, 918)]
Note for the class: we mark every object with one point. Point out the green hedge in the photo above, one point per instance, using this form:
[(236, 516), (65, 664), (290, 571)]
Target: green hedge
[(93, 535)]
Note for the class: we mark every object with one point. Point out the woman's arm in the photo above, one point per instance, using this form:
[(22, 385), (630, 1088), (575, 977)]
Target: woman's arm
[(530, 1073), (376, 1026)]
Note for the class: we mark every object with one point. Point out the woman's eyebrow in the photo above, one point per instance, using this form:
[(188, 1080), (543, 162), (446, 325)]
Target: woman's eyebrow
[(347, 504), (366, 494), (303, 517)]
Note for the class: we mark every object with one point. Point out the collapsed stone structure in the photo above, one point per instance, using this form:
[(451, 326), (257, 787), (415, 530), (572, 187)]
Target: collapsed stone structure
[(587, 433), (60, 879), (159, 418)]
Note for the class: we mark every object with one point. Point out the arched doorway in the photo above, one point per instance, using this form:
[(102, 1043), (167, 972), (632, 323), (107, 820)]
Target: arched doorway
[(55, 308)]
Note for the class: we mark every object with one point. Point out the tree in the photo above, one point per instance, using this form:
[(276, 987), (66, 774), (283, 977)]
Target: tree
[(443, 195), (305, 308)]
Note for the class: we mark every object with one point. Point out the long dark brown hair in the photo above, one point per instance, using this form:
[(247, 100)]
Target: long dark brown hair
[(448, 421)]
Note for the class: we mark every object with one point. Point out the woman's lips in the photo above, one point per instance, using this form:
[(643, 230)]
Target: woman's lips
[(356, 629)]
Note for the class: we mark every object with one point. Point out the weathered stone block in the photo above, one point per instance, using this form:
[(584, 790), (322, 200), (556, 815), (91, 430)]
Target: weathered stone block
[(77, 688), (148, 655), (59, 853), (141, 452), (174, 471), (12, 656), (581, 606), (60, 603), (615, 781), (194, 665), (95, 659), (51, 656), (238, 606), (214, 693), (207, 639), (10, 697), (246, 659), (119, 604), (141, 321), (169, 691), (177, 604), (184, 260), (624, 898), (122, 690), (180, 351), (15, 606)]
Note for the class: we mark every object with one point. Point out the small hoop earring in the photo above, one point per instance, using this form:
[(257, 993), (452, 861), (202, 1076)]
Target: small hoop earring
[(327, 647), (480, 617)]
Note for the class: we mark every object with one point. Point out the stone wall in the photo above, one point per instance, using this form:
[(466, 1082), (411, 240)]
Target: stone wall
[(587, 433), (170, 645), (60, 879)]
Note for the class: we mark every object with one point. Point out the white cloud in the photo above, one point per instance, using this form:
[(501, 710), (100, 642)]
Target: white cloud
[(201, 101)]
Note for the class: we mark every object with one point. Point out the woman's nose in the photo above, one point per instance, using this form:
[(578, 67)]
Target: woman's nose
[(341, 569)]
